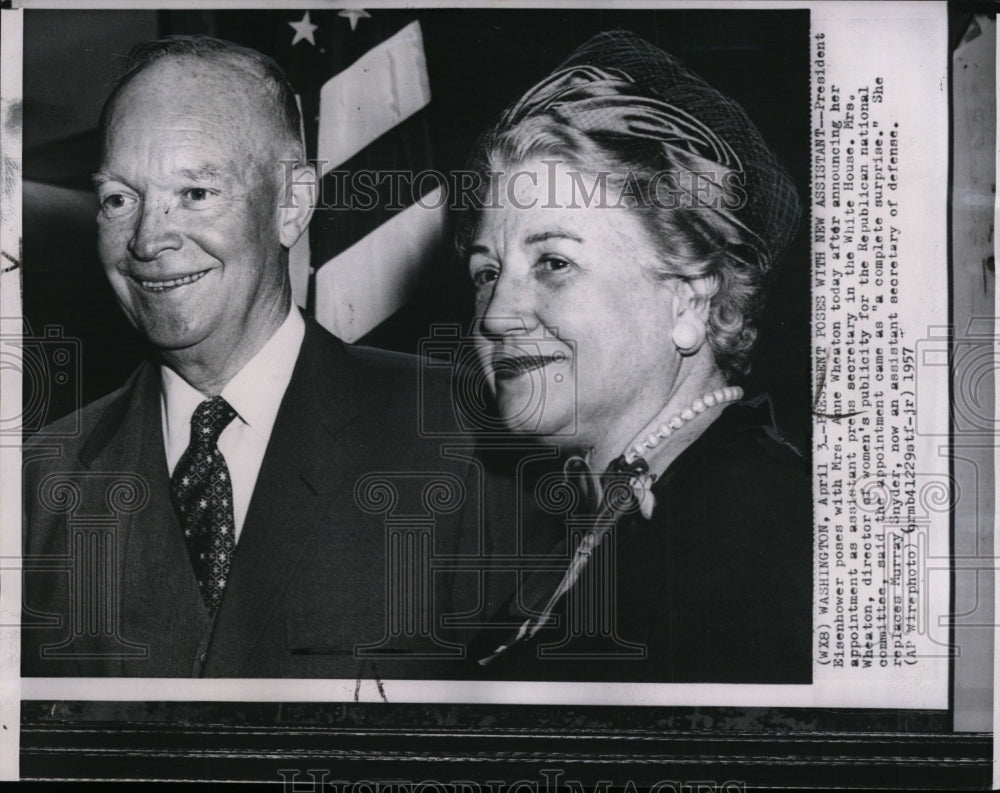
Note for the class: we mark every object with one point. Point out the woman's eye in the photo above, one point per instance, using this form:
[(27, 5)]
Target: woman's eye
[(484, 276), (555, 263)]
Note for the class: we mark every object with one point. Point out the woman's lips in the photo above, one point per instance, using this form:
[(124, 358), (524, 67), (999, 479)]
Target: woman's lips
[(507, 368), (166, 284)]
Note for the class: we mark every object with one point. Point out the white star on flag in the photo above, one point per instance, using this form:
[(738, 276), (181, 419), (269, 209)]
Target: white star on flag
[(353, 15), (304, 30)]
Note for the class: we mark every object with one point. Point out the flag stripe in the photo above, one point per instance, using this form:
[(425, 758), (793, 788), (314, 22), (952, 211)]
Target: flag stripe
[(347, 211), (384, 87), (368, 282), (362, 93)]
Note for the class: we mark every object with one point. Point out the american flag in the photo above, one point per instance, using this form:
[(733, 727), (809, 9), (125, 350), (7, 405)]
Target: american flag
[(362, 84)]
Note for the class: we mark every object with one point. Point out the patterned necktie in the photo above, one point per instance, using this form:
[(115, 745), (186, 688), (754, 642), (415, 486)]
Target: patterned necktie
[(203, 498)]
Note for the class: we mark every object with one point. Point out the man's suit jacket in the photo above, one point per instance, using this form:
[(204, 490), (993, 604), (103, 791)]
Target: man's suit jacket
[(109, 588)]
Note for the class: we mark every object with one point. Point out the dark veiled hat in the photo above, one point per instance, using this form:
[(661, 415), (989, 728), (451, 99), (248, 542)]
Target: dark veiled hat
[(618, 84)]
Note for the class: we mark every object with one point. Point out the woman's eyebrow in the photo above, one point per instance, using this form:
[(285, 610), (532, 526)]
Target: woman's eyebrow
[(542, 236)]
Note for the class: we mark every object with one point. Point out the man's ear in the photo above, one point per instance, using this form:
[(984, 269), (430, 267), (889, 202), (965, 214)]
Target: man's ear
[(693, 297), (299, 190)]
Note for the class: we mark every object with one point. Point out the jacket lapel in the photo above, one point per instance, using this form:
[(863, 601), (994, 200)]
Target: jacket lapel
[(159, 603), (295, 483)]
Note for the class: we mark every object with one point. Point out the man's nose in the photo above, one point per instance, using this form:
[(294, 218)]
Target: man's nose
[(511, 308), (155, 232)]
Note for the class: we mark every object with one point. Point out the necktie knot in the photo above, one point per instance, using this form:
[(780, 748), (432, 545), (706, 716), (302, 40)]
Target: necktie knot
[(210, 418)]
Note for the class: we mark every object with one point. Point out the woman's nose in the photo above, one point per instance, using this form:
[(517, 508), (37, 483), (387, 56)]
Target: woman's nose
[(155, 232), (509, 308)]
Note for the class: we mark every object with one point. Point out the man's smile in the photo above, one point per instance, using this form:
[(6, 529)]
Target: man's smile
[(166, 284)]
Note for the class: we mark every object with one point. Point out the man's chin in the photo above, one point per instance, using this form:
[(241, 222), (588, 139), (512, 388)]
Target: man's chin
[(172, 341)]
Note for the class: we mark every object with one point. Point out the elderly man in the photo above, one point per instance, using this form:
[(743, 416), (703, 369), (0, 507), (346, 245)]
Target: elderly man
[(224, 513)]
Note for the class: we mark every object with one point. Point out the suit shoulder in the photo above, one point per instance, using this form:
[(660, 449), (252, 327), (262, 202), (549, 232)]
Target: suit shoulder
[(401, 383), (386, 362), (64, 443), (389, 372), (743, 473), (72, 429), (749, 440), (404, 372)]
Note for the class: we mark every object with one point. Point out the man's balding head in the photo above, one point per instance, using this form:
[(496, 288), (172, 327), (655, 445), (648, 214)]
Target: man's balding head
[(271, 95)]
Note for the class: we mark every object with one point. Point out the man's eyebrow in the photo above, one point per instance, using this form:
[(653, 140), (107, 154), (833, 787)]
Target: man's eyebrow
[(202, 173), (100, 177), (542, 236)]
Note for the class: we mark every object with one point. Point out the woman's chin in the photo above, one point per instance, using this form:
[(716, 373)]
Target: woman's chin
[(540, 425), (528, 407)]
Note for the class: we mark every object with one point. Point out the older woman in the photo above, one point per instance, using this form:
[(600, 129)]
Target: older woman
[(629, 221)]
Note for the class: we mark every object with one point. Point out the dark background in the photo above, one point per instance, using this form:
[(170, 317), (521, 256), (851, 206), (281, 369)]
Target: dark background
[(478, 61)]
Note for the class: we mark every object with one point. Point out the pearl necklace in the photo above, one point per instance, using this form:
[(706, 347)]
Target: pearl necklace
[(633, 461), (649, 439)]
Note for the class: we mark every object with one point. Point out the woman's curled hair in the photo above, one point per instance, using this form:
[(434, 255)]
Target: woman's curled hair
[(684, 158)]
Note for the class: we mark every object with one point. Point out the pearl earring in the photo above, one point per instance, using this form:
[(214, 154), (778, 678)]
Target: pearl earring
[(687, 337)]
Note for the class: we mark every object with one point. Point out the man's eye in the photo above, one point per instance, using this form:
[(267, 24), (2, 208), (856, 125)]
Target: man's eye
[(196, 194), (115, 204)]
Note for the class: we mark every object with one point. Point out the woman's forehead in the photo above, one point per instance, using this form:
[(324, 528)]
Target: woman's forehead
[(612, 230)]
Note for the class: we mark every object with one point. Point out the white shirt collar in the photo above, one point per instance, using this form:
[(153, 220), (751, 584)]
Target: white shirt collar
[(255, 391)]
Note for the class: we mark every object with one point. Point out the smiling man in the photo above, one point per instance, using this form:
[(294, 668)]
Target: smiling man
[(191, 225), (243, 546)]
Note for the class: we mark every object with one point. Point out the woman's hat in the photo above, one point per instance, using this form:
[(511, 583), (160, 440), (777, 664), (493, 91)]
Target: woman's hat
[(617, 84)]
